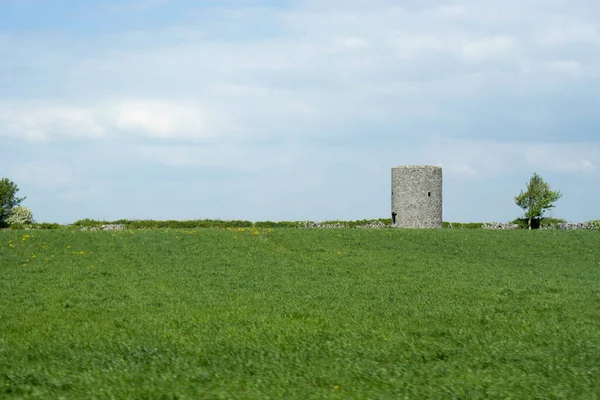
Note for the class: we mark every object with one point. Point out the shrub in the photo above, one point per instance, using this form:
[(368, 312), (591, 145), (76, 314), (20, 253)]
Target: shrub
[(21, 227), (88, 223), (19, 215), (47, 225)]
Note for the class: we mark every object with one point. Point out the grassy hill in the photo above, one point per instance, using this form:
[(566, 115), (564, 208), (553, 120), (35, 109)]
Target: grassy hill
[(289, 313)]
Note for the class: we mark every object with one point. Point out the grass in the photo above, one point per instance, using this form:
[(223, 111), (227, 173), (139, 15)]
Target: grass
[(290, 313)]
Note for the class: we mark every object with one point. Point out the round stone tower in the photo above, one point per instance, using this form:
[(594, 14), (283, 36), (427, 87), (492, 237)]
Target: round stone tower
[(417, 196)]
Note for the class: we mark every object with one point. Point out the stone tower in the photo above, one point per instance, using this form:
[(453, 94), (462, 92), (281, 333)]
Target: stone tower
[(417, 196)]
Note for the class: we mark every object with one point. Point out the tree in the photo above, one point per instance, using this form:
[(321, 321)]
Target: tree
[(19, 215), (538, 198), (8, 198)]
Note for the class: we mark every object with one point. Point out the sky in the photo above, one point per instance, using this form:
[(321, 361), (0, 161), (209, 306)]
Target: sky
[(296, 110)]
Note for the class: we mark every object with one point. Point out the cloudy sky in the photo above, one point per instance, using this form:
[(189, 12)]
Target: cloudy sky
[(296, 110)]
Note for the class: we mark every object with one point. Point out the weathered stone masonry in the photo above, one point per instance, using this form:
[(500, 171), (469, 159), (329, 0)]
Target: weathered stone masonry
[(417, 196)]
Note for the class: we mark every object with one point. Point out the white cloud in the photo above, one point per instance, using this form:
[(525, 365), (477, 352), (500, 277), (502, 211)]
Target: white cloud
[(143, 118), (164, 120), (43, 122)]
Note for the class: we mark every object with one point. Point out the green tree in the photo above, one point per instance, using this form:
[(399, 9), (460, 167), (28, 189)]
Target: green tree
[(8, 199), (538, 198)]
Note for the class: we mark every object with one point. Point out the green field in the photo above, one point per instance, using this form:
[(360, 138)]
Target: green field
[(298, 313)]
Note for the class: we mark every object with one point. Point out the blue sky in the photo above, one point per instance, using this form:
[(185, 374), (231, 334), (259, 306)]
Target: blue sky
[(296, 110)]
